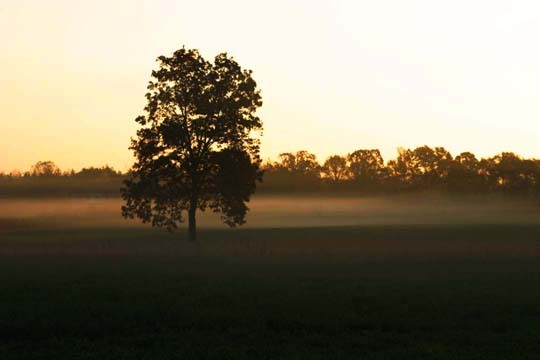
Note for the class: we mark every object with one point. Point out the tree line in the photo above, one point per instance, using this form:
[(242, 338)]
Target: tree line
[(48, 169), (362, 171), (46, 179), (420, 169)]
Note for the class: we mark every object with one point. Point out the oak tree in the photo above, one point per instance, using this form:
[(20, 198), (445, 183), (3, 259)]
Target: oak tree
[(197, 146)]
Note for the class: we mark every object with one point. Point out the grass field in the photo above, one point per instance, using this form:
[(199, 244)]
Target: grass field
[(308, 278)]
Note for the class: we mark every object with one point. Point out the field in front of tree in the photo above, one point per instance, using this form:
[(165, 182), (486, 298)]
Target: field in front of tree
[(307, 278), (280, 211)]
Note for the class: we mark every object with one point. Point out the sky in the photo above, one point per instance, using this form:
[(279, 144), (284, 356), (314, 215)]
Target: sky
[(335, 76)]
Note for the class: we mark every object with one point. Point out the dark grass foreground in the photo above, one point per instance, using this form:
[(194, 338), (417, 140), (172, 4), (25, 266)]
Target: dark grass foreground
[(376, 292)]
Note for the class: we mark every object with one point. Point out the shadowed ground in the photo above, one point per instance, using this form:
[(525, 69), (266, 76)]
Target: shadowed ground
[(372, 291)]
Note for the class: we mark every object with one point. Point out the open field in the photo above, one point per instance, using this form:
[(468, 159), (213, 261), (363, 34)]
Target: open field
[(308, 278), (289, 211)]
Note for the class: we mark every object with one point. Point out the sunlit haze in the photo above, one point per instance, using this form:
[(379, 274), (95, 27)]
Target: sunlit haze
[(335, 76)]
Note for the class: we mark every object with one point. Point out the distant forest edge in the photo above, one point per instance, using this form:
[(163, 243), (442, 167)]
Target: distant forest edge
[(360, 172)]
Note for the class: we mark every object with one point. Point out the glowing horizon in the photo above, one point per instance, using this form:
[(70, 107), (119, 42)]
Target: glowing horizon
[(335, 76)]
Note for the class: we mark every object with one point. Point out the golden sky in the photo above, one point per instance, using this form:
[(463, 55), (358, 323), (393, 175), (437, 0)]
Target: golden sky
[(336, 76)]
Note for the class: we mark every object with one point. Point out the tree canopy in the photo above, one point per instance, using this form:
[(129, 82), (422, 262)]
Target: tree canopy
[(45, 168), (362, 171), (197, 146)]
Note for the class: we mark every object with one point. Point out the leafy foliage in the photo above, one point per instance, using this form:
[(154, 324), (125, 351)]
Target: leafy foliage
[(420, 169), (195, 148), (45, 168), (335, 168)]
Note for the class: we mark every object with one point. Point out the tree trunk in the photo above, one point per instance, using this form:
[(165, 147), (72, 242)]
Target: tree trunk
[(192, 222)]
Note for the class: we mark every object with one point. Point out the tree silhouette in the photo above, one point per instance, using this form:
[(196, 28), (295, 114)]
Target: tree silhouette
[(98, 172), (422, 167), (295, 171), (430, 165), (195, 148), (303, 162), (45, 168), (510, 173), (401, 169), (365, 166), (464, 174), (335, 168), (468, 160)]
